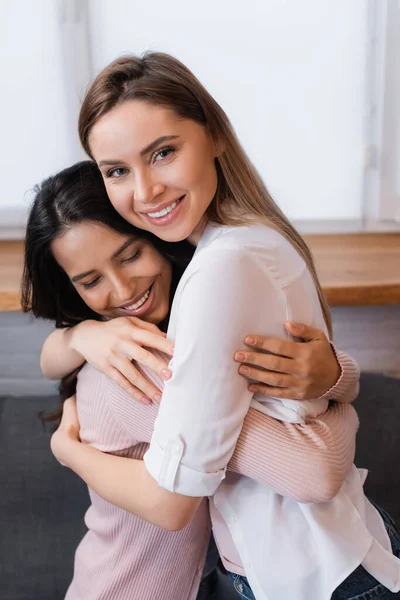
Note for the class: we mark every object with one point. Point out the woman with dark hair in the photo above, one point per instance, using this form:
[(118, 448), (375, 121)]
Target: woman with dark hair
[(83, 261)]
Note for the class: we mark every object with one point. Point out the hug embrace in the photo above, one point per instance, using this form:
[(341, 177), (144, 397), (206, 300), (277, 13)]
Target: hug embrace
[(171, 275)]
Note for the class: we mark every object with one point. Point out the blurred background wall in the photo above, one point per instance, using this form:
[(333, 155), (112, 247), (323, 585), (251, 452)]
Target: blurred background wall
[(310, 87)]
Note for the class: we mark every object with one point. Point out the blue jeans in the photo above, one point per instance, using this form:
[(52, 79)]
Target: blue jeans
[(360, 585)]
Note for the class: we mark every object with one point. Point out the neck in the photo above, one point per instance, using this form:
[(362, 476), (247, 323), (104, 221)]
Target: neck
[(197, 232)]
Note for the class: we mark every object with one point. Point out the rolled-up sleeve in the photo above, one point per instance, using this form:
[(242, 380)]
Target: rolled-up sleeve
[(205, 402)]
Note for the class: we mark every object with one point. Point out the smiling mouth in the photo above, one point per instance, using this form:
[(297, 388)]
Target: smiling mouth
[(139, 302), (165, 211)]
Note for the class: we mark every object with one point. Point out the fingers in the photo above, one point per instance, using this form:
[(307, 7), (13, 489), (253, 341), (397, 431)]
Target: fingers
[(69, 405), (69, 420), (153, 340), (269, 378), (270, 362), (274, 392), (132, 351), (130, 379), (304, 331), (124, 383), (148, 326), (287, 348)]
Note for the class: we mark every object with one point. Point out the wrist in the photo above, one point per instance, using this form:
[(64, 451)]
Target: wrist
[(74, 335), (338, 370)]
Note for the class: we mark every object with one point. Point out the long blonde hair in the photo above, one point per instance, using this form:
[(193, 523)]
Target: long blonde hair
[(162, 80)]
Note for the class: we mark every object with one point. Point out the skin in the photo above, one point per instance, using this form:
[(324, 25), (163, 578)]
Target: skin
[(109, 270), (149, 158)]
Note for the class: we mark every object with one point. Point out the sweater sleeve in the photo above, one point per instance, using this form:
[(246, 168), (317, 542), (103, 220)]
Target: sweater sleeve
[(306, 462), (348, 385)]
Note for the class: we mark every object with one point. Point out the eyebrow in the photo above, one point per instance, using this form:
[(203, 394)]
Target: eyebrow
[(152, 146), (124, 246)]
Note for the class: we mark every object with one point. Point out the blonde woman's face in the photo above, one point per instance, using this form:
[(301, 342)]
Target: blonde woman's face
[(159, 170)]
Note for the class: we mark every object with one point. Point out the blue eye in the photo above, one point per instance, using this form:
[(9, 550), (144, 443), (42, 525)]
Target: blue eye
[(116, 172)]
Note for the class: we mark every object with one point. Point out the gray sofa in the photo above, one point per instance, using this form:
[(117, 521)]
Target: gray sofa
[(42, 505)]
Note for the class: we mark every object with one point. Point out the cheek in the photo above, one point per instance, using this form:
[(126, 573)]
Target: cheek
[(121, 199), (93, 299), (204, 176)]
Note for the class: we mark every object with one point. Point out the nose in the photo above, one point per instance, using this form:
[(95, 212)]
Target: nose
[(122, 290), (147, 188)]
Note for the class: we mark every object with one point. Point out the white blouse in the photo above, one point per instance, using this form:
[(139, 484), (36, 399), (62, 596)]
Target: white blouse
[(243, 280)]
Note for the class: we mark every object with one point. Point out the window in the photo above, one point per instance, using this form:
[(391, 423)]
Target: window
[(311, 87)]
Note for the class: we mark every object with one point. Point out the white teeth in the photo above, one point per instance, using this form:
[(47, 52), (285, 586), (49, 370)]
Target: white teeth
[(139, 303), (164, 211)]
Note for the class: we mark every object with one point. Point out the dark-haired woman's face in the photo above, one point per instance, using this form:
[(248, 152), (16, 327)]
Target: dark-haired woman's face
[(115, 275)]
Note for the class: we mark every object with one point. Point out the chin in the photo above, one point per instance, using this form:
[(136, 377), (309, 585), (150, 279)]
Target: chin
[(158, 317), (176, 233)]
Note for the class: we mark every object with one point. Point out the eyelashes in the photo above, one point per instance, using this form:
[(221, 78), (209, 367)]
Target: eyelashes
[(158, 156), (134, 256), (91, 284), (113, 172), (167, 151)]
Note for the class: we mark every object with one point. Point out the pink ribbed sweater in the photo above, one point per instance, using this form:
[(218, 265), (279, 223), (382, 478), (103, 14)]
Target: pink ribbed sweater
[(124, 558)]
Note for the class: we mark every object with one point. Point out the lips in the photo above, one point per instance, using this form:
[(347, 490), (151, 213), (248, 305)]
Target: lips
[(160, 207), (137, 301), (164, 214)]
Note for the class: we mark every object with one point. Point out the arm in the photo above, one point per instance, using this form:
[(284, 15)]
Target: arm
[(190, 450), (301, 473), (58, 357), (115, 478), (194, 439), (305, 462), (347, 387), (301, 370)]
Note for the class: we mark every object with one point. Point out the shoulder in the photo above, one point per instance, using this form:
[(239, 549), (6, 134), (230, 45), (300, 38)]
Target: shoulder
[(237, 248)]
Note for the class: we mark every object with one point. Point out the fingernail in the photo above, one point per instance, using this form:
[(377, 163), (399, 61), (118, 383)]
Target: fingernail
[(250, 340), (146, 400), (166, 374), (244, 371), (293, 324), (240, 357), (157, 398)]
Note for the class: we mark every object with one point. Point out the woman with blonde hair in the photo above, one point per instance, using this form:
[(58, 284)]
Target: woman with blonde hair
[(173, 166)]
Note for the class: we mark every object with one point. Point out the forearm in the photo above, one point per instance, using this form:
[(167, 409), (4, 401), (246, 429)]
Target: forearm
[(58, 357), (306, 462), (126, 483), (347, 387)]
